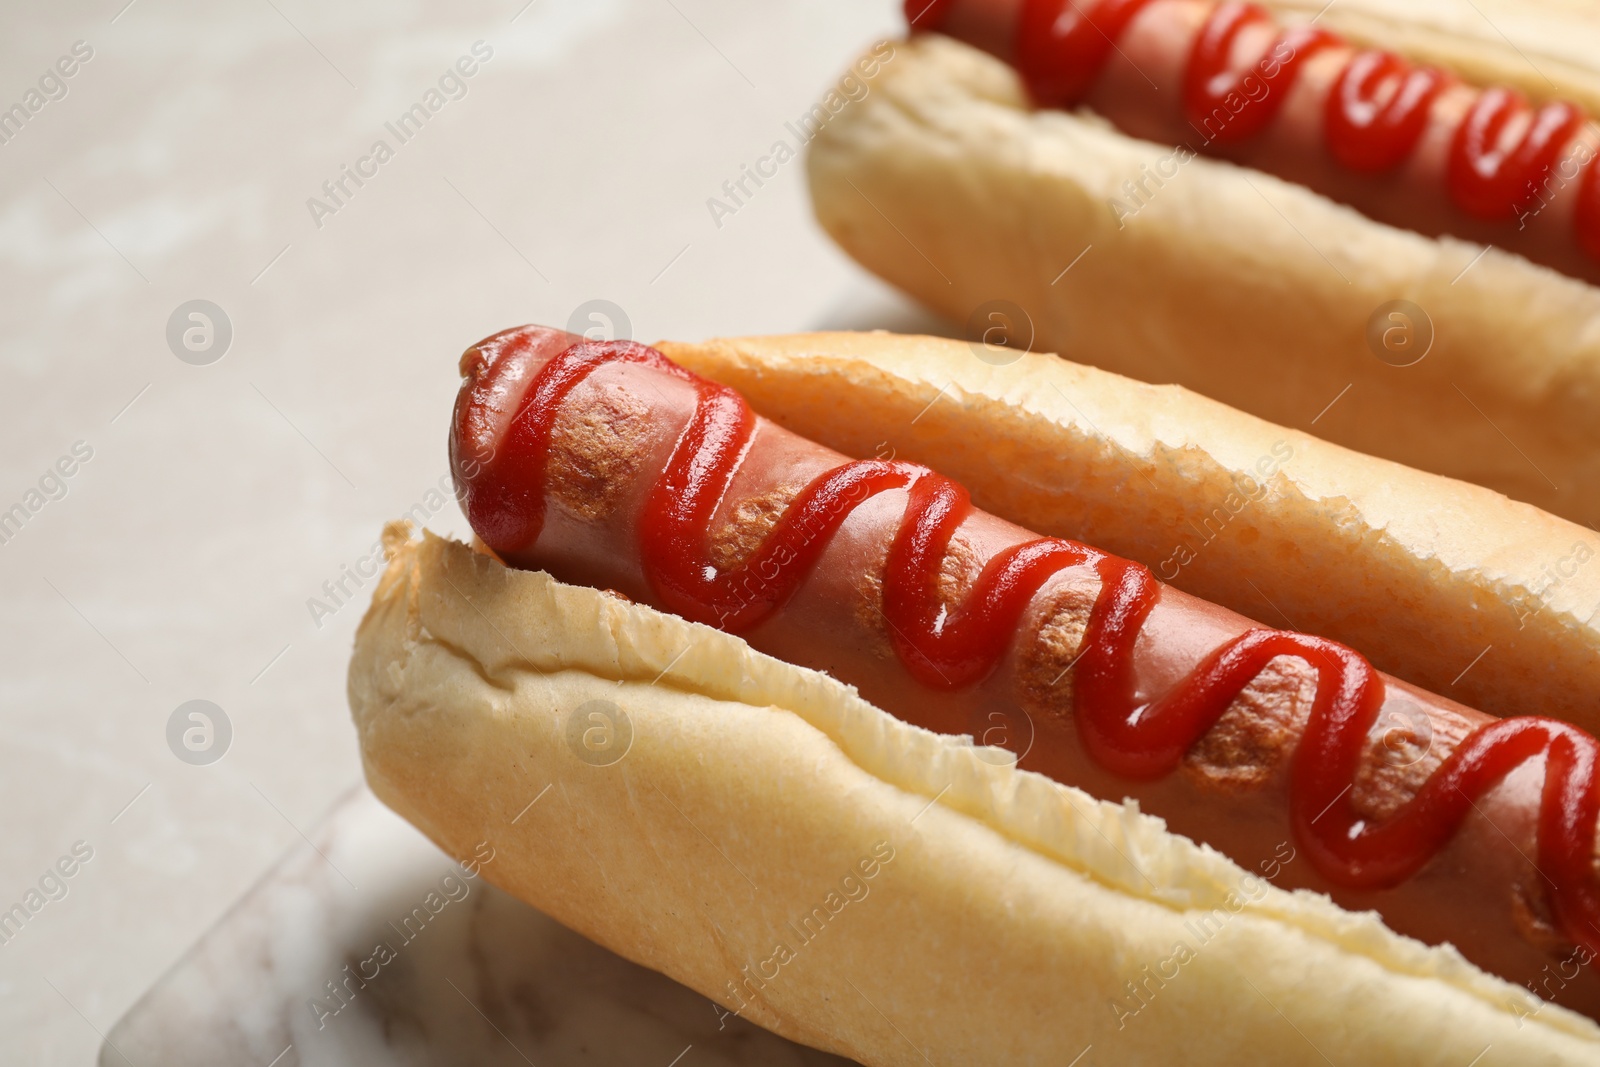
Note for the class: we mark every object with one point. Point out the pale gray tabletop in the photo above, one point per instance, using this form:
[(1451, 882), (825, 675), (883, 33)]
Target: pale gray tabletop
[(199, 496)]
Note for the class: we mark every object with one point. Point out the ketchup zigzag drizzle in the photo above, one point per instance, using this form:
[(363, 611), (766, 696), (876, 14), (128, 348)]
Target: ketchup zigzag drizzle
[(1376, 110), (1488, 181), (1210, 79), (948, 649)]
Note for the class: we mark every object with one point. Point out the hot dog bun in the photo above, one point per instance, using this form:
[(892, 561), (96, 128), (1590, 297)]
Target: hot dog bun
[(1249, 289), (1003, 916), (1422, 573)]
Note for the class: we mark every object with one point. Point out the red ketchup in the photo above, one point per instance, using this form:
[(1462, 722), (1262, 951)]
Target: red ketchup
[(944, 649), (1062, 47), (1378, 109), (1210, 83), (1489, 180), (1375, 114)]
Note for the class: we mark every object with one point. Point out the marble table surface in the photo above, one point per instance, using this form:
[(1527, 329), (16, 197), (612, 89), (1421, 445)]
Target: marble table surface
[(367, 945), (208, 542)]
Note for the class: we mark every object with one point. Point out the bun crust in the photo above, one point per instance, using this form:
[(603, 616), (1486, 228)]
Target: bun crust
[(1005, 915), (1420, 573), (1231, 282)]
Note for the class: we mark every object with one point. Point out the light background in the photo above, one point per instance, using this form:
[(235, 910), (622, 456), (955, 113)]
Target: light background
[(220, 498)]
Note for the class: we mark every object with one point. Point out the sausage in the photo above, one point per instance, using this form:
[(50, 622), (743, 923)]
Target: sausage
[(595, 482), (1141, 90)]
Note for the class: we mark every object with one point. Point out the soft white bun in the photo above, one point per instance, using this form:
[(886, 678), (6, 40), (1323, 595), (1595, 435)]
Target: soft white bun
[(1005, 926), (1246, 288), (1445, 584)]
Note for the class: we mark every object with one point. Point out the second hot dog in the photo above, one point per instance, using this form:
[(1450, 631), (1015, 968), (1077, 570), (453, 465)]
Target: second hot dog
[(1405, 144)]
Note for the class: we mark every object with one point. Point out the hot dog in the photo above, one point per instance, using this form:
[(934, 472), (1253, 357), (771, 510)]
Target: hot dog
[(822, 562), (609, 466), (1405, 144), (1273, 209)]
